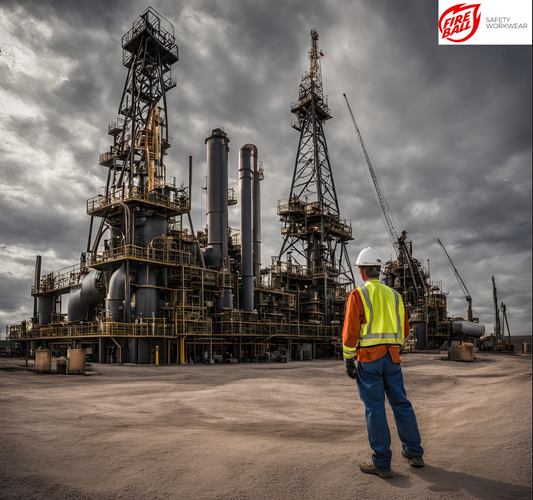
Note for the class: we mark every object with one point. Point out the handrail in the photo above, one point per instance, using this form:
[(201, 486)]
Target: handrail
[(133, 192)]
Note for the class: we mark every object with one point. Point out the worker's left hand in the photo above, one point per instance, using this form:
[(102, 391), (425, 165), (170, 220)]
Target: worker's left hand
[(349, 365)]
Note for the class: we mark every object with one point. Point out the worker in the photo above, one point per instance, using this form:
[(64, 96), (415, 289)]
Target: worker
[(375, 327)]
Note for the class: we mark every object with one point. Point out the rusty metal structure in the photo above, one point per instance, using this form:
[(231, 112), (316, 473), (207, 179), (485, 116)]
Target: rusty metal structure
[(148, 290)]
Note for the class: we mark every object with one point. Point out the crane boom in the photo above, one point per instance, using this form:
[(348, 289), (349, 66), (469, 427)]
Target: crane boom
[(497, 331), (455, 271), (466, 293), (381, 194)]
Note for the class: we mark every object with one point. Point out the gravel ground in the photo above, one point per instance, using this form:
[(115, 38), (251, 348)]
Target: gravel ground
[(260, 431)]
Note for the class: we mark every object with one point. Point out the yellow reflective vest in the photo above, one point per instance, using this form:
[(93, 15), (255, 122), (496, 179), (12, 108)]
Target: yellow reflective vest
[(384, 313)]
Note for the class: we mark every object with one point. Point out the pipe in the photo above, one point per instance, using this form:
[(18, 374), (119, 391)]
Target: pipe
[(196, 245), (90, 234), (468, 328), (115, 294), (256, 220), (216, 253), (246, 154), (190, 196), (36, 284)]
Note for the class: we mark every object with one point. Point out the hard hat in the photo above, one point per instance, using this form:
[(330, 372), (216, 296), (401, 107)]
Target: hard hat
[(368, 257)]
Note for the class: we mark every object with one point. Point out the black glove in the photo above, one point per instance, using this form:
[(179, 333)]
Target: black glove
[(349, 365)]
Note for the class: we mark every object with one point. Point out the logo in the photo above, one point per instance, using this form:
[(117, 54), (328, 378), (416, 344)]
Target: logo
[(460, 22)]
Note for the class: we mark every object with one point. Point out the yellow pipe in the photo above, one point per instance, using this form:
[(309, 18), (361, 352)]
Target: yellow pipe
[(182, 350), (157, 355)]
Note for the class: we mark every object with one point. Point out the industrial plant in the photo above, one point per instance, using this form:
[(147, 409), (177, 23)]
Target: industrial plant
[(151, 289)]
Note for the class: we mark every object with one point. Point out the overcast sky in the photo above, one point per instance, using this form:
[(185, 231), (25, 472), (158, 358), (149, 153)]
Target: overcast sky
[(448, 128)]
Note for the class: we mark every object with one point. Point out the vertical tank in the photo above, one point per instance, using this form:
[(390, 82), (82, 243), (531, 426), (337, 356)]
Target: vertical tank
[(246, 155), (256, 220), (147, 296), (152, 227), (216, 252), (45, 307), (36, 283)]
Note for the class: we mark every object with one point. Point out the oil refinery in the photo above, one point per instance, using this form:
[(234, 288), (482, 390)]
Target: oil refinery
[(150, 289)]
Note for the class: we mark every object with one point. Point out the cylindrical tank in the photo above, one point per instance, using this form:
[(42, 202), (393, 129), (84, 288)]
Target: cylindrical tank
[(43, 361), (45, 307), (217, 199), (256, 219), (147, 296), (76, 363), (468, 328), (153, 227), (246, 155), (36, 283), (115, 294)]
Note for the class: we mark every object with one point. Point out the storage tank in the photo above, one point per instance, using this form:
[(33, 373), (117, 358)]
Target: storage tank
[(43, 361), (76, 363)]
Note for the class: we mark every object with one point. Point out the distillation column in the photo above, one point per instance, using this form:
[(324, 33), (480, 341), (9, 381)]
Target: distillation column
[(216, 253), (256, 219), (246, 154)]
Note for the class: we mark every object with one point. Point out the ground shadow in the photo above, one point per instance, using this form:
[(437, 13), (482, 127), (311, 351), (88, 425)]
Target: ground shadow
[(480, 487)]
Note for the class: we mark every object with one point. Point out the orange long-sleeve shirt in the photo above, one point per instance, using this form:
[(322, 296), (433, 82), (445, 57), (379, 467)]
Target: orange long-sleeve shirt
[(353, 319)]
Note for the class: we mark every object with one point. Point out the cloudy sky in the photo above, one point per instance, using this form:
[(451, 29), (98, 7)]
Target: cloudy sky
[(448, 129)]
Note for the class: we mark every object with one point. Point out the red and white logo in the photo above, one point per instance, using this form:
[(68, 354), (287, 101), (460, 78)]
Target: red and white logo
[(460, 22)]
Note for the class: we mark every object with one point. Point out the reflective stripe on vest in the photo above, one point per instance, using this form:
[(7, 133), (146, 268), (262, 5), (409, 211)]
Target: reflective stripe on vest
[(385, 314)]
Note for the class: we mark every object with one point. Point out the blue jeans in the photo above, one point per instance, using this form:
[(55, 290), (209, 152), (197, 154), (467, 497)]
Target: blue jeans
[(378, 378)]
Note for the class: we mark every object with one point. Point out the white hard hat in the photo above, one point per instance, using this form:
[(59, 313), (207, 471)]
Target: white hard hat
[(368, 257)]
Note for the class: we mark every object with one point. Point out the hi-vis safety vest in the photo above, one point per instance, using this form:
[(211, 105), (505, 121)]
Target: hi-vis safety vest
[(385, 315)]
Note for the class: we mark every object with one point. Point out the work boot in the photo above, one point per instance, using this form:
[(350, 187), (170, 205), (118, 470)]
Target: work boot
[(368, 467), (414, 461)]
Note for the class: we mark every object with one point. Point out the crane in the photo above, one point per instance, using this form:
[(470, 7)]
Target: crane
[(468, 297), (505, 321), (399, 243)]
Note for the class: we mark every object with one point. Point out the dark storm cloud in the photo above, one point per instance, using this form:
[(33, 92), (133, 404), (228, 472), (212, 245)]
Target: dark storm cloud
[(448, 128)]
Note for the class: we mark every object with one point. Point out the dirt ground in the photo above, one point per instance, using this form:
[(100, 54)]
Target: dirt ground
[(260, 431)]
